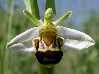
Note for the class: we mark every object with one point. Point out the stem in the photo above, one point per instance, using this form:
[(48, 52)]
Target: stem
[(1, 58), (6, 52), (46, 70), (35, 9), (32, 7), (51, 4)]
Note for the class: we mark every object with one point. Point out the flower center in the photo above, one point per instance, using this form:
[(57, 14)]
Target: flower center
[(48, 40)]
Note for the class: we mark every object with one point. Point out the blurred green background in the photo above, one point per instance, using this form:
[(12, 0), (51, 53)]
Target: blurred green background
[(85, 18)]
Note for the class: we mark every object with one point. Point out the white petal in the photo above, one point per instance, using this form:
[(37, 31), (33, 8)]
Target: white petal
[(25, 36), (77, 44), (75, 39), (22, 47)]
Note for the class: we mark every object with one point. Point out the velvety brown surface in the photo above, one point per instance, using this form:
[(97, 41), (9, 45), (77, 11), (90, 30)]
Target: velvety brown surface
[(49, 57)]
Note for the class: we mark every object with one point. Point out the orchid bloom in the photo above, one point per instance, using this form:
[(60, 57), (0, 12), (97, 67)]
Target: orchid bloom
[(73, 39)]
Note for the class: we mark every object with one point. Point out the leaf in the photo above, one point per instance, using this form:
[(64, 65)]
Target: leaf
[(32, 7)]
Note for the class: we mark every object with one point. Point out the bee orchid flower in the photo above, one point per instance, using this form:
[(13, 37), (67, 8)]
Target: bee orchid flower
[(47, 32)]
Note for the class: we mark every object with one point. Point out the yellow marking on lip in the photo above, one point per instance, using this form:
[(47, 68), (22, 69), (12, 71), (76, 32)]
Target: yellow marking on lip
[(46, 49)]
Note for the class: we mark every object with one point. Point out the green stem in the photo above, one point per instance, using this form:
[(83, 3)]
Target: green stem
[(5, 52), (46, 70), (64, 17), (35, 9), (1, 58), (51, 4), (32, 7)]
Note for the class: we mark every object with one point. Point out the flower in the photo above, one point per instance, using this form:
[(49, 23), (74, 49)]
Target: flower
[(73, 39)]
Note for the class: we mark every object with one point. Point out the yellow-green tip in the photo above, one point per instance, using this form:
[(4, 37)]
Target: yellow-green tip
[(48, 14)]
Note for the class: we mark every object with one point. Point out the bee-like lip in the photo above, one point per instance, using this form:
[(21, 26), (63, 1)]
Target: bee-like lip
[(49, 57)]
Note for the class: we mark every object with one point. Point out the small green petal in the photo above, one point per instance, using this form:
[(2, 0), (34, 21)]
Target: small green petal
[(33, 19), (64, 17)]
